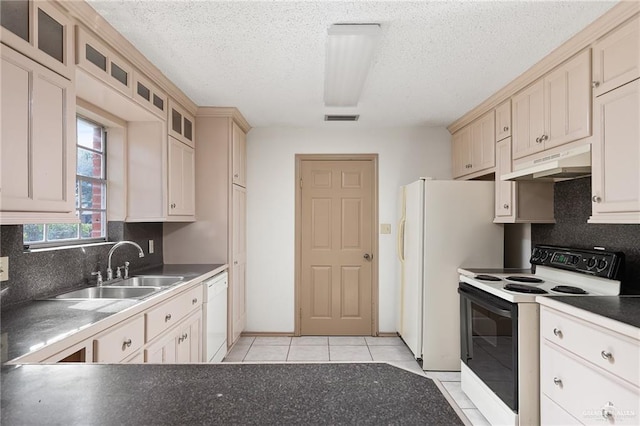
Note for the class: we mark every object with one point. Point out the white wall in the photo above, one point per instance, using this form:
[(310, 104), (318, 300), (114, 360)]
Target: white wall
[(404, 155)]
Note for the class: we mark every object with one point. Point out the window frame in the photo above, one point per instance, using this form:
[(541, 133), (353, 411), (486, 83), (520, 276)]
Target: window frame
[(79, 210)]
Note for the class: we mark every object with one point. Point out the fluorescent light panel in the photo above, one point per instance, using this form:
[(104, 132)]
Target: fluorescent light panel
[(349, 52)]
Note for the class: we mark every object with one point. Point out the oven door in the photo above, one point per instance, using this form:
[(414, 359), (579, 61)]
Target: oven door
[(489, 341)]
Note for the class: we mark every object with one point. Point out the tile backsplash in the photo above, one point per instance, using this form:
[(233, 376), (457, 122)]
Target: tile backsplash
[(572, 209), (34, 275)]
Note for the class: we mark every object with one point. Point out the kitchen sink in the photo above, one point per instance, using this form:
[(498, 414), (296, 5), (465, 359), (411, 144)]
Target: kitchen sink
[(109, 292), (146, 281)]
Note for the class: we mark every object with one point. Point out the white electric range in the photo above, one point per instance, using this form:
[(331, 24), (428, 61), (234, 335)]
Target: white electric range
[(499, 324)]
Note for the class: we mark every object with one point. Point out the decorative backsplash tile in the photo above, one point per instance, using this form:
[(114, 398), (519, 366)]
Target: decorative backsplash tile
[(42, 274), (572, 209)]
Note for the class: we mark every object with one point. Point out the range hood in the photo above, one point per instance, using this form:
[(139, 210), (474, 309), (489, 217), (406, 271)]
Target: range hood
[(570, 164)]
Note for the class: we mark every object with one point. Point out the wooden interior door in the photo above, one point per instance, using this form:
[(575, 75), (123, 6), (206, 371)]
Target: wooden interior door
[(336, 253)]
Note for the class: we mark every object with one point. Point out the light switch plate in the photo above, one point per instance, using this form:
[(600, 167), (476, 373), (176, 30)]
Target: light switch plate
[(4, 268), (385, 228), (150, 246)]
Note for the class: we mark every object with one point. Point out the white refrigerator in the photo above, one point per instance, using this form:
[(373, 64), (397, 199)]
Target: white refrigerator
[(443, 225)]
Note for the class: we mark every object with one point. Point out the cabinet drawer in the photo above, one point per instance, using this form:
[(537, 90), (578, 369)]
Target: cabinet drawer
[(552, 414), (171, 312), (120, 341), (613, 352), (589, 394)]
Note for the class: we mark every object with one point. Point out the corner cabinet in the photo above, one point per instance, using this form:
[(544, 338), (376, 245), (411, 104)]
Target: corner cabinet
[(615, 155), (38, 143), (219, 235), (554, 110)]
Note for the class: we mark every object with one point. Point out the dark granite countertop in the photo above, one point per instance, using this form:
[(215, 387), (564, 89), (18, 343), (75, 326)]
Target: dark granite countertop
[(625, 309), (30, 326), (221, 394)]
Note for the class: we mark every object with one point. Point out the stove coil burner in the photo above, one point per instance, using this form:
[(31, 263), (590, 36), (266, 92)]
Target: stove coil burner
[(523, 288), (487, 278), (525, 279), (568, 289)]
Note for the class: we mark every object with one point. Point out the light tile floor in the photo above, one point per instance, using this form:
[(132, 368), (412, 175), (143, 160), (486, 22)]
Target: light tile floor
[(345, 349)]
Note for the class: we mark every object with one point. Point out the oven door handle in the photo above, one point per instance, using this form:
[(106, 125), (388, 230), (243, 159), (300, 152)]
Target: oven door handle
[(484, 303)]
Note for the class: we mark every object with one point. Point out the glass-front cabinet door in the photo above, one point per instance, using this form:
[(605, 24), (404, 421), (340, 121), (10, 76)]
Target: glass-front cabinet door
[(40, 31)]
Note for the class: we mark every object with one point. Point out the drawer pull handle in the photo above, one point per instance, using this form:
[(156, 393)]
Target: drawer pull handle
[(194, 301), (167, 317), (606, 355), (126, 344), (557, 381), (607, 410), (557, 332)]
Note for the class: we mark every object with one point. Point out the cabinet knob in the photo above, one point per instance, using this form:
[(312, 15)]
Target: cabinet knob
[(608, 410), (506, 206), (557, 381), (538, 140), (167, 317), (606, 355), (173, 205), (235, 176), (126, 344), (505, 129), (595, 84), (596, 199), (543, 138), (557, 332), (235, 262), (194, 301)]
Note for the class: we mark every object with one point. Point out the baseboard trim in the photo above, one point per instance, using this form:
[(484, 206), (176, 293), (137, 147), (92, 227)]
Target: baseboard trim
[(388, 334), (266, 334)]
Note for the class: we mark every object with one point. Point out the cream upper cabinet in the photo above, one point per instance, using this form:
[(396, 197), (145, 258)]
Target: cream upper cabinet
[(555, 109), (103, 62), (181, 178), (483, 142), (41, 31), (520, 202), (461, 151), (181, 124), (615, 156), (38, 142), (503, 120), (616, 57), (473, 147), (239, 155), (149, 95)]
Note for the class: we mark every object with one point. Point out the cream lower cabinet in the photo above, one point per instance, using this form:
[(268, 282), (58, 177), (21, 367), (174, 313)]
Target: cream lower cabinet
[(615, 156), (183, 344), (520, 202), (239, 260), (588, 374), (119, 342), (37, 155)]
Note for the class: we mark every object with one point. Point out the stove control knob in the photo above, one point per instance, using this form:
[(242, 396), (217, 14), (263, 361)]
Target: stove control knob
[(602, 264), (591, 263), (544, 255)]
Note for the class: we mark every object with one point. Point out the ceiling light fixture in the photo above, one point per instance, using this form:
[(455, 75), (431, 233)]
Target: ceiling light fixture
[(349, 52)]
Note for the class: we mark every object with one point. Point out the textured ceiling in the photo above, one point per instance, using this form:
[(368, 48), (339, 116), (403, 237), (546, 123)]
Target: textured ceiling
[(436, 59)]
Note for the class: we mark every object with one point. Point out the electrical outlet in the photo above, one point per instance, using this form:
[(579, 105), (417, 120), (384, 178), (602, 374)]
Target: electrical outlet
[(4, 268), (150, 246), (385, 228)]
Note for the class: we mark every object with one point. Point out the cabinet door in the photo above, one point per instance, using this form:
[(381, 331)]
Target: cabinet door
[(568, 101), (238, 260), (504, 189), (38, 137), (181, 179), (461, 152), (616, 57), (528, 120), (189, 340), (164, 351), (181, 124), (503, 120), (483, 143), (616, 151), (239, 156)]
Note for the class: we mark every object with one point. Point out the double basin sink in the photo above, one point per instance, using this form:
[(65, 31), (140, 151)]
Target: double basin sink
[(138, 287)]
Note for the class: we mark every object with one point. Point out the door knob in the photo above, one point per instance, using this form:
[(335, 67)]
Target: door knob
[(368, 256)]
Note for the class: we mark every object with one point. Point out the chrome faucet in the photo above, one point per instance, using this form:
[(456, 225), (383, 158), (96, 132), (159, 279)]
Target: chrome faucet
[(116, 245)]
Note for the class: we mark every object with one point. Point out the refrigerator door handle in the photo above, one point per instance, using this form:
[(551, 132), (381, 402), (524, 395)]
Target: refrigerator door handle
[(401, 239)]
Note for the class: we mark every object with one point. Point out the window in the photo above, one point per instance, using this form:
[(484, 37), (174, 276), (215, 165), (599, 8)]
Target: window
[(91, 194)]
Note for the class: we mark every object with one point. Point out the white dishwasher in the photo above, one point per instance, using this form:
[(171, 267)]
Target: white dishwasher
[(215, 317)]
